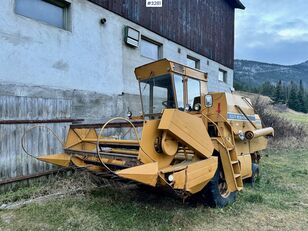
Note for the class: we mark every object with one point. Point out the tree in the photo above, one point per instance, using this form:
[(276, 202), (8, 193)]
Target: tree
[(285, 93), (293, 100), (302, 107), (278, 95), (306, 100), (240, 86), (267, 89)]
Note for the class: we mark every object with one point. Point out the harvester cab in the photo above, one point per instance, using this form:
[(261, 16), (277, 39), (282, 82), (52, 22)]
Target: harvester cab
[(165, 84), (194, 142)]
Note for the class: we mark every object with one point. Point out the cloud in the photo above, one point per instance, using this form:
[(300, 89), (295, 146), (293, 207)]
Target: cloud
[(272, 31)]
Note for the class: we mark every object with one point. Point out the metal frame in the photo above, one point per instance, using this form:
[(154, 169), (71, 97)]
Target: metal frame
[(49, 121)]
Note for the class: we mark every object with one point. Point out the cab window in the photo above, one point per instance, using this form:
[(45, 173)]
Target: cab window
[(157, 94), (179, 89), (193, 89)]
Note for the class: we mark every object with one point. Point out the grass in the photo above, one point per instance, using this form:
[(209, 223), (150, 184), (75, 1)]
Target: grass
[(297, 117), (278, 201)]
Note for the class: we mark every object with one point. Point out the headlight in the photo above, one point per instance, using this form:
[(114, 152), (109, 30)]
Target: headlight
[(170, 178), (197, 107), (187, 107), (129, 114)]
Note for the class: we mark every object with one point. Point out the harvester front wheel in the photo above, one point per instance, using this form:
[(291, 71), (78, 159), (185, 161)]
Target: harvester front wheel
[(216, 193), (255, 174)]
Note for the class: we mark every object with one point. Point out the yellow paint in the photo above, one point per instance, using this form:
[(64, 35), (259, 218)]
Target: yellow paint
[(147, 152), (163, 67), (146, 173), (60, 159), (189, 129), (195, 175), (169, 144)]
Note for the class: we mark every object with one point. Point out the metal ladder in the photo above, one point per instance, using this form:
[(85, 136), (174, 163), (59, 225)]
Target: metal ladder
[(229, 158), (233, 160)]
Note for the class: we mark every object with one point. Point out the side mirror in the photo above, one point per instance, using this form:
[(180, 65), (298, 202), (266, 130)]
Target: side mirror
[(208, 101)]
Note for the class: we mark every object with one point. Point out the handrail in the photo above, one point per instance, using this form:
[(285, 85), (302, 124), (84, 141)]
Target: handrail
[(231, 130), (219, 132)]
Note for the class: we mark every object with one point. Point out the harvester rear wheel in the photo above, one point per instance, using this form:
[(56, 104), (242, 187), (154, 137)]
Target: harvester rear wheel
[(216, 193)]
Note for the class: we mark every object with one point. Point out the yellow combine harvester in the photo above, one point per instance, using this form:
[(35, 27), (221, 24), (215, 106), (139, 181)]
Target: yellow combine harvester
[(195, 142)]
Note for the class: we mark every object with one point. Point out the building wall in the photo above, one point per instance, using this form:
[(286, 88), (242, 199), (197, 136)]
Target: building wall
[(91, 64)]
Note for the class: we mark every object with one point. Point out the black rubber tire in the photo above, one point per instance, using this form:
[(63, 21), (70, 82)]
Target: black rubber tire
[(211, 194), (255, 174)]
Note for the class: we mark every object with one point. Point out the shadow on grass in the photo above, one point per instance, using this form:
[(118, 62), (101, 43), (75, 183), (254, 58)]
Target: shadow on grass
[(141, 207)]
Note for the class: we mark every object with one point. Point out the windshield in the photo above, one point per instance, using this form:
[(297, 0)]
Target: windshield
[(157, 94)]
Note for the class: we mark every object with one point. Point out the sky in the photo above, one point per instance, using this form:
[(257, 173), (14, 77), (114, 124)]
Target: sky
[(273, 31)]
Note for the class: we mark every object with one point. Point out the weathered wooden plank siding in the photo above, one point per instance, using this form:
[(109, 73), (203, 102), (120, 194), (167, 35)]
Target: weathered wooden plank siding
[(204, 26), (13, 161)]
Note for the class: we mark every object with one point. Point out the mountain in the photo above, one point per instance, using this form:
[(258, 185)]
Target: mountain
[(256, 73)]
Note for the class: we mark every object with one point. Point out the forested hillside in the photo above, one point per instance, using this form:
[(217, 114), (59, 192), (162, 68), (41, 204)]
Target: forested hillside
[(256, 73), (283, 84)]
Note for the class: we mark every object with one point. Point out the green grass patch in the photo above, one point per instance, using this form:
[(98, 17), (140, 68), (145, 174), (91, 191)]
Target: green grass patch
[(19, 194), (296, 117)]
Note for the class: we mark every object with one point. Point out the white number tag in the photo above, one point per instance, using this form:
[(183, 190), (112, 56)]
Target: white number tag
[(154, 3)]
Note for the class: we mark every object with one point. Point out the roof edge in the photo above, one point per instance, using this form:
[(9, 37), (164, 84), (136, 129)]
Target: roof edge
[(238, 4)]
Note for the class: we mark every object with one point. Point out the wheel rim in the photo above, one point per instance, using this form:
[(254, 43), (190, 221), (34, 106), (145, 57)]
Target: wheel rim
[(222, 186)]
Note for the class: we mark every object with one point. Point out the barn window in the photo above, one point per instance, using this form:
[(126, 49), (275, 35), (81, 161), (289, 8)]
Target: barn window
[(150, 48), (193, 62), (222, 76), (52, 12)]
